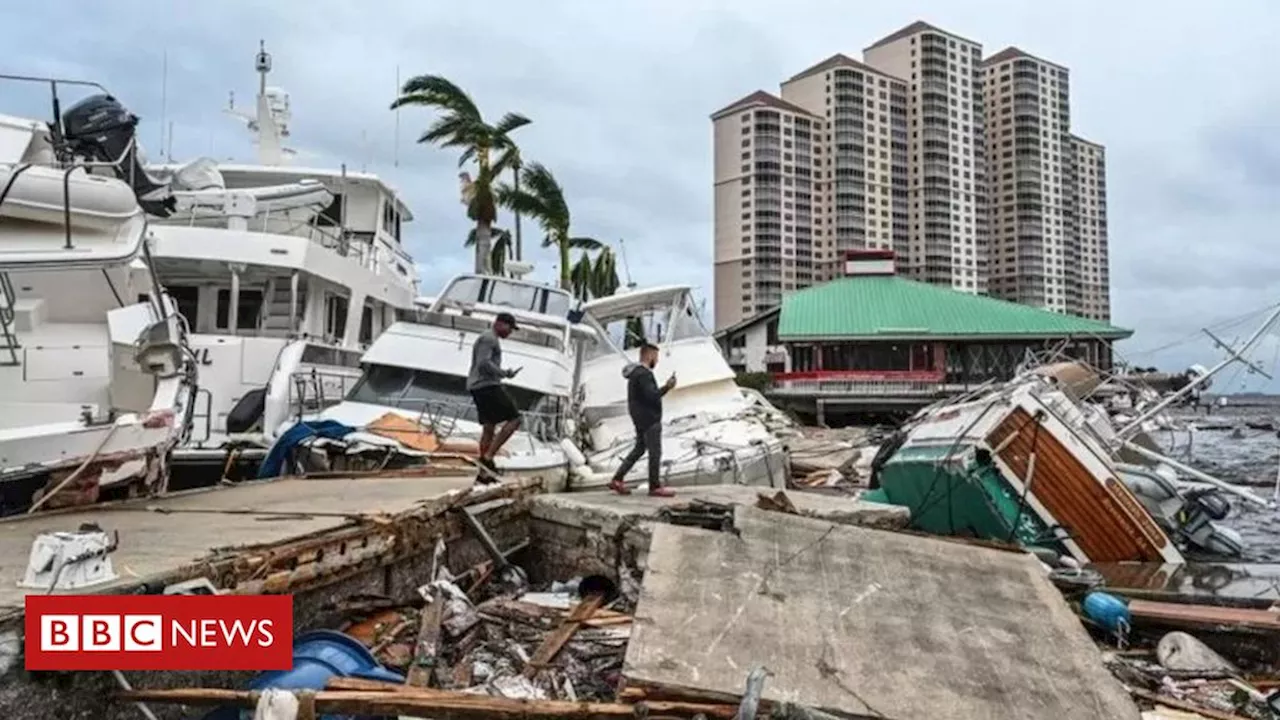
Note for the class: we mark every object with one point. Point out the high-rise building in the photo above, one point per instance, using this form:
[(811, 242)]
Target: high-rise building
[(946, 153), (1088, 293), (965, 167), (860, 158), (764, 204), (1033, 247)]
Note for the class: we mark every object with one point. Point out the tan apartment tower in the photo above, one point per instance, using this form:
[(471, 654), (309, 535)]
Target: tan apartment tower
[(764, 203), (1088, 290), (860, 159), (947, 238), (1034, 252)]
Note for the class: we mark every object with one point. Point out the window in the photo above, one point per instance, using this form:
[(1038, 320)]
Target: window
[(366, 325), (771, 333), (187, 298), (332, 215), (246, 315), (335, 316)]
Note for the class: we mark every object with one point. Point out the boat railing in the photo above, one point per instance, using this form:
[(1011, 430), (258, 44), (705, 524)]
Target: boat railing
[(312, 391)]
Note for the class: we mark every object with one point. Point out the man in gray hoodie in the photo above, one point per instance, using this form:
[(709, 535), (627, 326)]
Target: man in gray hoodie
[(494, 405), (644, 402)]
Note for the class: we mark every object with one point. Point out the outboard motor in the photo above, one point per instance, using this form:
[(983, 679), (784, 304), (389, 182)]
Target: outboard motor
[(1203, 508), (100, 129)]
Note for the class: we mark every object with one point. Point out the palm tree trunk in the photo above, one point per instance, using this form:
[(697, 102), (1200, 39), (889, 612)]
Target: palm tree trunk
[(566, 282), (483, 247), (515, 172)]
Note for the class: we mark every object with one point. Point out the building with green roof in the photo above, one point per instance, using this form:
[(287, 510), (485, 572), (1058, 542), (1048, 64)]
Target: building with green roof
[(873, 334)]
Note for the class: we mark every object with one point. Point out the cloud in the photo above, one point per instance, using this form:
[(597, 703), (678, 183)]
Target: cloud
[(620, 94)]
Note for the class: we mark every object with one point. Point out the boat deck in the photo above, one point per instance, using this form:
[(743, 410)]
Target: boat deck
[(157, 536)]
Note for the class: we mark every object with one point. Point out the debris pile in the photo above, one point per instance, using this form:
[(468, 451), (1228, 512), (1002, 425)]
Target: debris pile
[(834, 457), (551, 645)]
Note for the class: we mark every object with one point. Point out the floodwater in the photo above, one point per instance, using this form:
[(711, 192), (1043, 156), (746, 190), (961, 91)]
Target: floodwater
[(1241, 456)]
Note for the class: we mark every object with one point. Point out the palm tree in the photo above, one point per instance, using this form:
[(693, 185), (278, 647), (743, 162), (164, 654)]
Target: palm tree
[(461, 125), (542, 199), (500, 252)]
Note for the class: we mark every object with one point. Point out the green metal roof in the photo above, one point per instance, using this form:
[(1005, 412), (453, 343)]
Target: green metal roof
[(891, 307)]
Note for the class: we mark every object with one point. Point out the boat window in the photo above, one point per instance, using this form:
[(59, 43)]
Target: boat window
[(465, 290), (246, 315), (684, 324), (187, 298), (327, 355), (517, 297), (335, 315), (426, 391), (332, 215), (366, 325)]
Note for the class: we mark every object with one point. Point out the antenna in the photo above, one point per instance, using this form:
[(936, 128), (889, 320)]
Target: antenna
[(395, 141), (168, 152), (626, 266), (164, 97)]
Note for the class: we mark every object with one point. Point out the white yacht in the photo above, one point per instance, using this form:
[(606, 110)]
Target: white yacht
[(96, 376), (412, 398), (283, 274), (713, 430)]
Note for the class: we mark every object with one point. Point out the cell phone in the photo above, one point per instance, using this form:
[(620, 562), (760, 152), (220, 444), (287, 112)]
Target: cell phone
[(516, 371)]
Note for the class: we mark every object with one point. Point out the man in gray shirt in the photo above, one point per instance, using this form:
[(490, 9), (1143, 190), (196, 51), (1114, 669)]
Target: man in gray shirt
[(494, 405)]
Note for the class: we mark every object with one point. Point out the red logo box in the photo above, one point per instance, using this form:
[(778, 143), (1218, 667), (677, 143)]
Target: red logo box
[(159, 632)]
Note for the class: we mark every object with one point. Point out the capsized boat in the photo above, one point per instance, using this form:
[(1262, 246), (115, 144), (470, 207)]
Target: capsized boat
[(1019, 464), (713, 432)]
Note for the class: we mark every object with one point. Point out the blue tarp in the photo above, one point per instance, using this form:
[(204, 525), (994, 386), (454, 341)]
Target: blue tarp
[(273, 464)]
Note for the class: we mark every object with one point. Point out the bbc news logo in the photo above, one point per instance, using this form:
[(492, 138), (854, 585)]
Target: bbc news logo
[(159, 632)]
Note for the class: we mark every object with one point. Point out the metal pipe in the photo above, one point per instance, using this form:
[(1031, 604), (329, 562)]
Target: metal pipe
[(233, 312), (1203, 477), (293, 304), (1233, 356)]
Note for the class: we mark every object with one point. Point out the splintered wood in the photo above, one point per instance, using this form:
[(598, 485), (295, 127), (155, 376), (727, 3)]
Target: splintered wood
[(550, 646), (427, 646), (438, 704)]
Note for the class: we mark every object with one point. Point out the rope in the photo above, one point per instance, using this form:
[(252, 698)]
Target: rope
[(36, 505)]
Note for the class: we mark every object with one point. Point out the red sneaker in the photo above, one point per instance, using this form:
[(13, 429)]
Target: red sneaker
[(619, 487), (661, 492)]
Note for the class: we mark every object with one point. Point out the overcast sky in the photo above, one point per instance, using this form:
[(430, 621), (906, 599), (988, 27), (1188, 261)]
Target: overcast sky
[(1185, 98)]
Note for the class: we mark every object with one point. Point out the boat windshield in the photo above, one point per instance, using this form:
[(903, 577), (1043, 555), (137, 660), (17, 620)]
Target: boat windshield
[(657, 325), (423, 390), (508, 293)]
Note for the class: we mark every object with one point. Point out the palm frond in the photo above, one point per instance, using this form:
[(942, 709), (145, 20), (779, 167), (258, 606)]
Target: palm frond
[(585, 243), (452, 129), (520, 201), (497, 236), (438, 92), (510, 122)]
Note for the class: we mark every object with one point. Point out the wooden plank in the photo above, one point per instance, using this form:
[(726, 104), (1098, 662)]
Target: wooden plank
[(1177, 704), (1204, 616), (442, 706), (552, 643), (427, 647)]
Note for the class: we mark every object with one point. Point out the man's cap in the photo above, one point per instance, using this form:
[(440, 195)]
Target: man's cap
[(507, 318)]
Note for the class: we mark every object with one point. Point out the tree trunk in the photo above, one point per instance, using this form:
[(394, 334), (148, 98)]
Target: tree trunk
[(515, 172), (566, 281), (484, 247)]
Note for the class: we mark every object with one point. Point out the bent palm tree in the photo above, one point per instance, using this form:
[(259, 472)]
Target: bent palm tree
[(461, 125), (499, 253), (542, 199)]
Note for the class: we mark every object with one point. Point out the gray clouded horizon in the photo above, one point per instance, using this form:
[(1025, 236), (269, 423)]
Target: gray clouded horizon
[(1183, 96)]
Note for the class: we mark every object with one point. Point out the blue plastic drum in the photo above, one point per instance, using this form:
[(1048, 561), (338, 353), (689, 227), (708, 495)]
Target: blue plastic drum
[(317, 656)]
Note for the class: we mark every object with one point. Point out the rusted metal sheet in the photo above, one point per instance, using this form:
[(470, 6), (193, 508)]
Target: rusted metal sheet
[(1105, 519)]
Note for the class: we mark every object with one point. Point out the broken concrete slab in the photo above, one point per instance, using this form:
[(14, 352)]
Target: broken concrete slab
[(607, 511), (863, 622)]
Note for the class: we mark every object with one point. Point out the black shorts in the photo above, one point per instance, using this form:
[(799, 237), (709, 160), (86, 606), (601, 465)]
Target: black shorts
[(494, 405)]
